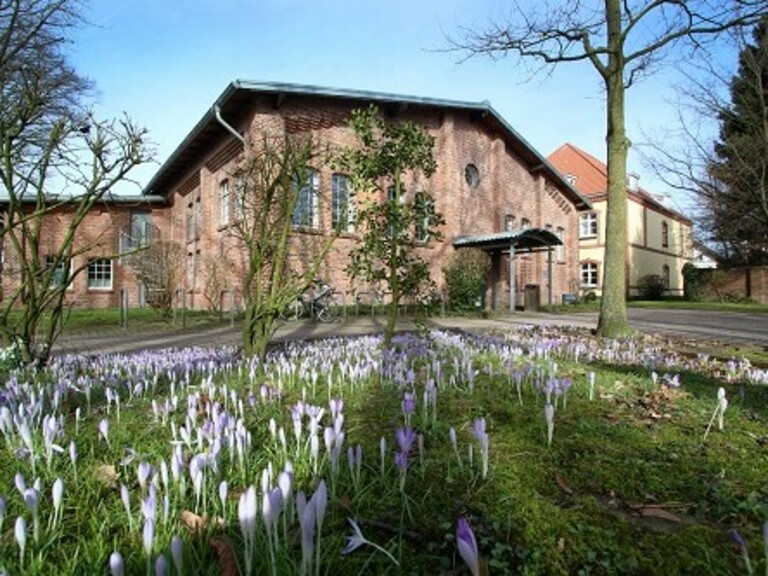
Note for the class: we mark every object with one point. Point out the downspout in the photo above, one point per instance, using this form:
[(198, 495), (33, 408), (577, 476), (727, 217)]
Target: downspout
[(228, 127)]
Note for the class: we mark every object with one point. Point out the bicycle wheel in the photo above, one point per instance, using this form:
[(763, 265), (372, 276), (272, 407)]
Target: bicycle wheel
[(331, 310), (293, 311)]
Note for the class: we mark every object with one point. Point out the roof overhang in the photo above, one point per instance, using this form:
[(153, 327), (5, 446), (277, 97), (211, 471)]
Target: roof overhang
[(528, 240)]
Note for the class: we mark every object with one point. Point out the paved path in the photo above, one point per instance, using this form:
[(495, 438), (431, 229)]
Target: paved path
[(725, 326)]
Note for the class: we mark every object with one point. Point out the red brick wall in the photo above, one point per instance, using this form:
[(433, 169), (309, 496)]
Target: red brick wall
[(506, 187), (737, 282)]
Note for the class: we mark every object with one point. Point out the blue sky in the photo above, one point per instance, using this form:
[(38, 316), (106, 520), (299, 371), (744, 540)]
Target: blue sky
[(164, 63)]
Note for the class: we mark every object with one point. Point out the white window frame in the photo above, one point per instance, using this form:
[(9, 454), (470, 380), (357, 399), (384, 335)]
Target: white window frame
[(48, 262), (342, 204), (588, 225), (240, 191), (592, 270), (560, 250), (101, 269), (307, 211), (421, 231), (224, 202)]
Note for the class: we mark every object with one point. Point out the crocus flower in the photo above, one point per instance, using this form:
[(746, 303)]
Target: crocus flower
[(3, 513), (357, 539), (104, 430), (467, 545), (57, 494), (549, 416), (161, 566), (116, 564), (722, 404), (20, 532), (737, 539), (177, 553), (148, 536)]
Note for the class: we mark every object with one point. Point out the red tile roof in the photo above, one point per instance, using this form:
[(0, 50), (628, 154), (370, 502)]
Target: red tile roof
[(591, 177), (590, 173)]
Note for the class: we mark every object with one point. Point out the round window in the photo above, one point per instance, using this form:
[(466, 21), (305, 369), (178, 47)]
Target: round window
[(472, 175)]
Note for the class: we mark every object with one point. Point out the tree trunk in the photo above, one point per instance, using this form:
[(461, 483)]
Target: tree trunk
[(257, 333), (613, 309)]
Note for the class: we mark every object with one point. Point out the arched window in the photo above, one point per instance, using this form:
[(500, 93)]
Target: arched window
[(664, 234), (665, 276)]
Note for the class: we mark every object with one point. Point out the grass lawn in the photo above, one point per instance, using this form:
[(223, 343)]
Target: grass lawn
[(215, 464)]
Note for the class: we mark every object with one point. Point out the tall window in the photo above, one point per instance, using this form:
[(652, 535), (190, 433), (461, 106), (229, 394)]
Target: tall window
[(342, 208), (509, 222), (224, 202), (588, 225), (589, 274), (190, 219), (665, 276), (194, 219), (560, 251), (664, 234), (61, 273), (240, 192), (141, 224), (525, 224), (100, 273), (306, 213), (424, 206)]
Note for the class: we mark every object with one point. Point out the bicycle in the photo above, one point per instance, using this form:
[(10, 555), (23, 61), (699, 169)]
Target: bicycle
[(322, 305)]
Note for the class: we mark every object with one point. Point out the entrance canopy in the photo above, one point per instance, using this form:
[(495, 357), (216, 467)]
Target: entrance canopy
[(513, 242), (528, 240)]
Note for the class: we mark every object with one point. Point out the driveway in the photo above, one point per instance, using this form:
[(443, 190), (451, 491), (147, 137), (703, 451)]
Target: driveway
[(724, 326), (736, 327), (702, 324)]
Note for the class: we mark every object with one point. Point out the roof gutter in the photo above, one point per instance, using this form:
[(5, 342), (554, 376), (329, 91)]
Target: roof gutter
[(228, 127)]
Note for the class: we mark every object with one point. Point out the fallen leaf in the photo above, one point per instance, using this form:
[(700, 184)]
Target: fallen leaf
[(192, 521), (563, 485), (228, 565), (656, 512), (106, 475)]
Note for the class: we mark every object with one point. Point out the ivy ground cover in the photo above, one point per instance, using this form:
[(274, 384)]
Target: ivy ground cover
[(524, 452)]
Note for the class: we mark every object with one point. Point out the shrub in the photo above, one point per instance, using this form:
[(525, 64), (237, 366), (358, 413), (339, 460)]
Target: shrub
[(465, 278), (651, 287), (692, 283)]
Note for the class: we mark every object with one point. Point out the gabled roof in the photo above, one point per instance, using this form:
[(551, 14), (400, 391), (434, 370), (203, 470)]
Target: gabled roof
[(233, 103), (590, 177)]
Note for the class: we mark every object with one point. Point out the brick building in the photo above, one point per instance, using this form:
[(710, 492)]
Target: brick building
[(495, 191)]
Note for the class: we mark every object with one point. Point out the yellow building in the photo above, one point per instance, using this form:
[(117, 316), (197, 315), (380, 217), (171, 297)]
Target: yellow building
[(659, 240)]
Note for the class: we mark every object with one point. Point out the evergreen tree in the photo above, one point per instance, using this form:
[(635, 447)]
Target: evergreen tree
[(738, 211)]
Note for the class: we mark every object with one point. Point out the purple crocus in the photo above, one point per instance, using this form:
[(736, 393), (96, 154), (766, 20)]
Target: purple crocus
[(737, 539), (467, 545)]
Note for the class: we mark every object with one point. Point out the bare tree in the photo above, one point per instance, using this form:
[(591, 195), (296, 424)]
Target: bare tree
[(274, 195), (160, 267), (215, 281), (56, 160), (622, 40)]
